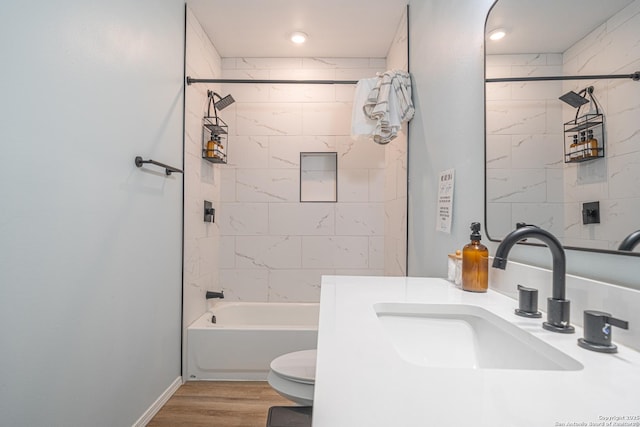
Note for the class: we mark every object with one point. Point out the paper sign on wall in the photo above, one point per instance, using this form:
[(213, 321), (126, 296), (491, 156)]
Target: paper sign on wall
[(445, 201)]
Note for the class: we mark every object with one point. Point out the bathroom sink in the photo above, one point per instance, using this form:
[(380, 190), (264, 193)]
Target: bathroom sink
[(465, 336)]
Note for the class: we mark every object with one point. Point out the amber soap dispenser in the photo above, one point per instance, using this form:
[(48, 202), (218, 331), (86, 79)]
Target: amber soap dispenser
[(475, 263)]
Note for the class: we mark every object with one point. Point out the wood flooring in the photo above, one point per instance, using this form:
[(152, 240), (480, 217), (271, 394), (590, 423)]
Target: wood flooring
[(219, 404)]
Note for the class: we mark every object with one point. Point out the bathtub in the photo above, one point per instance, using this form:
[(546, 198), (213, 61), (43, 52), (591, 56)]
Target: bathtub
[(246, 337)]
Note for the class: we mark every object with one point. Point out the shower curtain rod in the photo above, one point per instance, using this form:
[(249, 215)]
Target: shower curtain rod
[(635, 76), (317, 82)]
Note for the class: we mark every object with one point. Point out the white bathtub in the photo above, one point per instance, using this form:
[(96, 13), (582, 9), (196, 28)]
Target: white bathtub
[(246, 337)]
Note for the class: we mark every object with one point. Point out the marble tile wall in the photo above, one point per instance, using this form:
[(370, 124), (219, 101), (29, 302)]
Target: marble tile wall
[(272, 247), (265, 245), (614, 48), (395, 172), (524, 144), (526, 178), (201, 180)]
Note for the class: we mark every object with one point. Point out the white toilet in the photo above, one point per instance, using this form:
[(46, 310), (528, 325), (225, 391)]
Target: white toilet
[(293, 376)]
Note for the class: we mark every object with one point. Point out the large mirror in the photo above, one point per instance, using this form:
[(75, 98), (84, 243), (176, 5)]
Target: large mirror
[(534, 172)]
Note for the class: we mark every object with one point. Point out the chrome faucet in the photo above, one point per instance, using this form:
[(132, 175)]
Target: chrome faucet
[(630, 242), (557, 306)]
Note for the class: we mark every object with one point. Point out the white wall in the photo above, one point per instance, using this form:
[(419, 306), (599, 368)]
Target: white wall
[(90, 245), (447, 64), (448, 131)]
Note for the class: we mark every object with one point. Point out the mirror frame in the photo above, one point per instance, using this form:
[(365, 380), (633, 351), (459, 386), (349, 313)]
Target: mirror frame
[(486, 222)]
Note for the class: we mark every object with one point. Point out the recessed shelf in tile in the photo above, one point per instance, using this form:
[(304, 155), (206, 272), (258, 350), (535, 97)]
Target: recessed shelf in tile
[(318, 177)]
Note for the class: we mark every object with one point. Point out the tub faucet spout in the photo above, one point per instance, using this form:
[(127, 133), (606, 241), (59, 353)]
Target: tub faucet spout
[(557, 306), (630, 242), (211, 294)]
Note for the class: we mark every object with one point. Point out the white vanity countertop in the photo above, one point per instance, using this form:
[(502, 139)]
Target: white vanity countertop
[(362, 381)]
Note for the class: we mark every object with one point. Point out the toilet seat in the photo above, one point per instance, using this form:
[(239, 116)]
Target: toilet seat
[(299, 366), (293, 376)]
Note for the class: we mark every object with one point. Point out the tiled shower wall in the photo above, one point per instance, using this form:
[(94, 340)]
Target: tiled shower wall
[(395, 175), (265, 245), (524, 144), (612, 48), (527, 179), (272, 246), (201, 240)]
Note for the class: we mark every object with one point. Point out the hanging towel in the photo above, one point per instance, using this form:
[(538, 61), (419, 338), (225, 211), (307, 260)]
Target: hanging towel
[(389, 104), (361, 124)]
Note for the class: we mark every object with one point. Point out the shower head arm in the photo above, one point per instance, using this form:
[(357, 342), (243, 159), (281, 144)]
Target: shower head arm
[(219, 105), (587, 91), (210, 95)]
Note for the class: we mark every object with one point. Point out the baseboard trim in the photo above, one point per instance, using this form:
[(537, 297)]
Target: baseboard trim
[(159, 403)]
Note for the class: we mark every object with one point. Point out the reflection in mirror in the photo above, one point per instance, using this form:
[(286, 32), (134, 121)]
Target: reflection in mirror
[(534, 173)]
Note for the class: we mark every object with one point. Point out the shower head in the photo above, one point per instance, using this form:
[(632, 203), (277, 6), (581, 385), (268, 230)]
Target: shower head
[(574, 99), (221, 104), (224, 102)]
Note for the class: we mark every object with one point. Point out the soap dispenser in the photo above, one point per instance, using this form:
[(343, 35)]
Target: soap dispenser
[(475, 263)]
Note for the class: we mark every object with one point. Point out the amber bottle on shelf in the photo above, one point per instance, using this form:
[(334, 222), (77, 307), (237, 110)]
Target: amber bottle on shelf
[(212, 146), (592, 143), (475, 263)]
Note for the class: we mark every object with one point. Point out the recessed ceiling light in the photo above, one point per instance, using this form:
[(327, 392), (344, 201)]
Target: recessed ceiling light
[(298, 37), (497, 34)]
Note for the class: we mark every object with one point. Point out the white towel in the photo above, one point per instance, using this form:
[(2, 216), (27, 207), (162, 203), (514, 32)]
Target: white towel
[(401, 82), (360, 123), (389, 104)]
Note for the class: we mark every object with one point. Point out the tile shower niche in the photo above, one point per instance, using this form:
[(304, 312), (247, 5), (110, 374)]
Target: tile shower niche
[(318, 177)]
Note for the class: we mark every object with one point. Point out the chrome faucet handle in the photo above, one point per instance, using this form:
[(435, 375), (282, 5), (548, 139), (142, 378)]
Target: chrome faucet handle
[(597, 331)]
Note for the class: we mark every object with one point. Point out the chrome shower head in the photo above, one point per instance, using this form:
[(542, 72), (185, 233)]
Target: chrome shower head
[(224, 102)]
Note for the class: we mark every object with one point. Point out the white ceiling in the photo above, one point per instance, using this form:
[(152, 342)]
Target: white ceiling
[(547, 26), (336, 28), (365, 28)]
